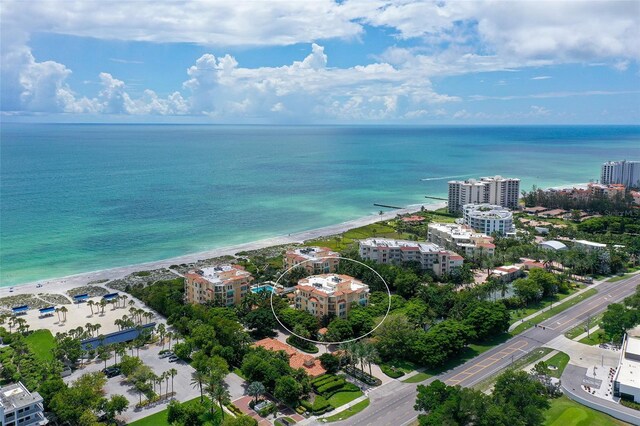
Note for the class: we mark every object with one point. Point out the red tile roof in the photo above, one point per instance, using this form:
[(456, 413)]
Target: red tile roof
[(296, 359)]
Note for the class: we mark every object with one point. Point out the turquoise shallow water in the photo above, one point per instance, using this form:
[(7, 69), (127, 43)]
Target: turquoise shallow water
[(75, 198)]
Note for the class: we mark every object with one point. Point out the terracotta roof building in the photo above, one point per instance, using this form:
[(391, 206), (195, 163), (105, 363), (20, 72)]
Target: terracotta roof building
[(315, 260), (330, 294), (311, 365), (429, 255), (223, 285)]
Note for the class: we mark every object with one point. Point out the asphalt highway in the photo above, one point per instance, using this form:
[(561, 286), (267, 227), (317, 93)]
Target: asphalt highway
[(392, 404)]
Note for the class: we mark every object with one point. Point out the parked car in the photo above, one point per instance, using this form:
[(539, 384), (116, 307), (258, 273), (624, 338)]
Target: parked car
[(173, 358), (166, 354), (111, 371)]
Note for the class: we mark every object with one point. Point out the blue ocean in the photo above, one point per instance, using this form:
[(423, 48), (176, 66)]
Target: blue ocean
[(81, 197)]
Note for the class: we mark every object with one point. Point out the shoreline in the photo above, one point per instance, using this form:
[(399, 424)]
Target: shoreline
[(66, 283)]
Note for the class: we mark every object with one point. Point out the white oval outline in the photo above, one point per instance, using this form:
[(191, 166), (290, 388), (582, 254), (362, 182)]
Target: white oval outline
[(344, 341)]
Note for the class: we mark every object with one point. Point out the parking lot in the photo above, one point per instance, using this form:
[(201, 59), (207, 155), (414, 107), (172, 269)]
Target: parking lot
[(150, 356)]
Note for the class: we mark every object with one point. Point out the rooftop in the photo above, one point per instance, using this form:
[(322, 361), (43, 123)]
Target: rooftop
[(590, 243), (308, 253), (487, 211), (332, 284), (629, 369), (220, 274), (15, 396), (296, 359), (556, 245), (383, 243)]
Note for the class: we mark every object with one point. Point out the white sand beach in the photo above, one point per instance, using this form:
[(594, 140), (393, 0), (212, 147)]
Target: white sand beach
[(64, 284)]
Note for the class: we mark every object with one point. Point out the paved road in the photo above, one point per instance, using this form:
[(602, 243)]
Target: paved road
[(392, 404)]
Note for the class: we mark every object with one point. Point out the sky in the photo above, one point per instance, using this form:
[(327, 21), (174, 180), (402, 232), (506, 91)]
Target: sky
[(320, 62)]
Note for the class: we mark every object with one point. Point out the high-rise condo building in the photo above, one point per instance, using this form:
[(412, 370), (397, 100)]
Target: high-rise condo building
[(491, 190), (624, 172)]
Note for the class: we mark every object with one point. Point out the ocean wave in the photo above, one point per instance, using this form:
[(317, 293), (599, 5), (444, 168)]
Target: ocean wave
[(445, 177)]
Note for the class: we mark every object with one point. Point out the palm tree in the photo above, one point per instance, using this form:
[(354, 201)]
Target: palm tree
[(91, 303), (198, 379), (162, 329), (57, 312), (166, 376), (103, 304), (64, 311), (159, 379), (97, 327), (124, 300), (173, 372), (256, 390), (169, 336), (217, 392)]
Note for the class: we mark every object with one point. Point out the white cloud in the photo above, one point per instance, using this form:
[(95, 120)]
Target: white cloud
[(541, 77)]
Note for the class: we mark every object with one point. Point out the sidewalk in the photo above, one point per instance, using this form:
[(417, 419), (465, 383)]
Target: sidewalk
[(585, 334), (576, 294)]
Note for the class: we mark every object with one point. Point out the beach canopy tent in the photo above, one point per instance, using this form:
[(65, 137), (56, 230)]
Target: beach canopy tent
[(81, 297), (47, 310), (110, 296), (20, 309), (121, 336)]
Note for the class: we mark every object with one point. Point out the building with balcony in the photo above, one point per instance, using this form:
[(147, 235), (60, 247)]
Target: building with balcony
[(19, 407), (488, 218), (623, 172), (223, 285), (315, 260), (461, 238), (429, 255), (488, 190), (330, 294)]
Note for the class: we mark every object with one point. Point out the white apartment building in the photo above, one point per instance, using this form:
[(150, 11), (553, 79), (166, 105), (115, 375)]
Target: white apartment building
[(19, 407), (626, 382), (429, 255), (488, 218), (492, 190), (623, 172), (461, 238)]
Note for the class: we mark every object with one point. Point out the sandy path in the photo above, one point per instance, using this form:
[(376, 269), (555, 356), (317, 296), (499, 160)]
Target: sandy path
[(63, 284)]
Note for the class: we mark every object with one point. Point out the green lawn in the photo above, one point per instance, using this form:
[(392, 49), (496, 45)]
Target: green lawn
[(596, 338), (578, 330), (343, 241), (349, 411), (417, 378), (341, 398), (518, 314), (620, 277), (471, 351), (160, 418), (553, 311), (565, 412), (559, 360), (42, 343)]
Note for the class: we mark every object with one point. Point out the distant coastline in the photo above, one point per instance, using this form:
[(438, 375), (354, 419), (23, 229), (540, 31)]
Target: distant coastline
[(63, 284)]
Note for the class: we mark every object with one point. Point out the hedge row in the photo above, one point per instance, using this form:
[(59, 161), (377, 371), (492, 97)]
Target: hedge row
[(324, 378), (321, 405), (316, 386), (348, 387), (331, 386)]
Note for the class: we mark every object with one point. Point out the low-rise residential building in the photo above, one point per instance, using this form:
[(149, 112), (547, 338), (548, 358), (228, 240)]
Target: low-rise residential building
[(535, 210), (626, 382), (589, 245), (429, 255), (330, 294), (461, 238), (488, 218), (223, 285), (315, 260), (507, 273), (311, 365), (558, 213), (636, 197), (19, 407), (413, 220), (610, 191)]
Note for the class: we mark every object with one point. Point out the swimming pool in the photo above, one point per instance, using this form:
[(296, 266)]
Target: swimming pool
[(262, 288)]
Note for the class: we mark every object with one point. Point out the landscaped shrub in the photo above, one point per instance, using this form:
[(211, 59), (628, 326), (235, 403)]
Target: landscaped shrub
[(331, 386), (321, 405), (317, 386), (323, 378), (362, 376), (348, 387), (306, 404), (392, 372), (235, 410)]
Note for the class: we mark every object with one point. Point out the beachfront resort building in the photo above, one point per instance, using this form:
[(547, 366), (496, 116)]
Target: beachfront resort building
[(461, 238), (223, 285), (330, 294), (626, 382), (429, 255), (488, 190), (19, 407), (488, 218), (315, 260), (623, 172)]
